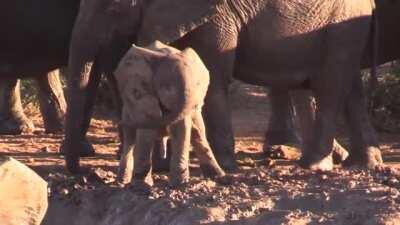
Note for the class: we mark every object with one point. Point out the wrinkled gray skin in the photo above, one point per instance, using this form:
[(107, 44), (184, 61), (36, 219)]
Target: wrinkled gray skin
[(277, 43), (51, 102), (388, 48), (102, 34), (294, 110), (162, 90)]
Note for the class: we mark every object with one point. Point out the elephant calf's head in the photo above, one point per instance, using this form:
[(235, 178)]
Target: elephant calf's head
[(160, 85)]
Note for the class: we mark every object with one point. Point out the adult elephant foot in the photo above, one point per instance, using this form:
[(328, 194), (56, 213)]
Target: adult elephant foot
[(15, 126), (72, 153), (12, 118), (370, 159), (315, 163), (339, 153), (227, 161), (85, 149)]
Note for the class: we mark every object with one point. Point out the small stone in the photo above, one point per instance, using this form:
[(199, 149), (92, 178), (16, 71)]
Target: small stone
[(84, 180), (45, 149), (77, 186), (269, 162), (324, 177), (283, 152), (31, 160), (352, 184), (392, 181), (64, 191)]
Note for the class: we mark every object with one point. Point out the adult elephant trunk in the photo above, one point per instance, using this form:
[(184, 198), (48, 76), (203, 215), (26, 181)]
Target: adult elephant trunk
[(83, 79)]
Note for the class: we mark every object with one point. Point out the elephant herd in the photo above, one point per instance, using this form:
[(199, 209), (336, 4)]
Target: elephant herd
[(287, 45)]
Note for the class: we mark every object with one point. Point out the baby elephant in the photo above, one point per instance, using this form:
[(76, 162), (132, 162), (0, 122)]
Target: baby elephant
[(163, 90)]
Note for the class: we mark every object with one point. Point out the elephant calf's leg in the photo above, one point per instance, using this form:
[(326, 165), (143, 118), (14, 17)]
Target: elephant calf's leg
[(365, 150), (145, 139), (12, 117), (208, 163), (180, 141), (126, 161), (52, 101)]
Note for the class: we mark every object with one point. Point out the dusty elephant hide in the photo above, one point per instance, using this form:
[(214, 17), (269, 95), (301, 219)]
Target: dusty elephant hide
[(163, 90)]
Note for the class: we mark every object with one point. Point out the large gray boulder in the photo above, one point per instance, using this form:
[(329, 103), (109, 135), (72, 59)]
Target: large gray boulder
[(23, 194)]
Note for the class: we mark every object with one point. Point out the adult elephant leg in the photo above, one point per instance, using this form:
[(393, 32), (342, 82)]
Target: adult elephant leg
[(304, 105), (318, 156), (342, 56), (12, 118), (365, 150), (81, 97), (52, 101), (305, 108), (280, 128), (331, 87), (217, 115)]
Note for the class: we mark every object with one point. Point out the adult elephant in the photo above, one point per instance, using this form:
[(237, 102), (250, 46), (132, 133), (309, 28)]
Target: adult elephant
[(51, 103), (387, 49), (278, 43), (35, 42)]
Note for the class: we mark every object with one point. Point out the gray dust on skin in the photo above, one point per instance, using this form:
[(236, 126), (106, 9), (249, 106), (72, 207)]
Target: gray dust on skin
[(268, 196)]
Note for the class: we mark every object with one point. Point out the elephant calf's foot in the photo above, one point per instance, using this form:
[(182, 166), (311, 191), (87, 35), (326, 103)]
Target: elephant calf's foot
[(324, 163), (211, 171), (369, 159), (15, 126)]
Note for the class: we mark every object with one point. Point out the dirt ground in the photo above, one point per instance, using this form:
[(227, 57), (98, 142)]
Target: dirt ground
[(262, 192)]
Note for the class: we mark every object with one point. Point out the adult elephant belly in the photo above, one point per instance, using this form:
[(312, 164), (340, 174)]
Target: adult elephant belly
[(278, 60), (29, 65)]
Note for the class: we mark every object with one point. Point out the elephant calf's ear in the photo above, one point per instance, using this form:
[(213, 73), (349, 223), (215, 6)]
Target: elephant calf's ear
[(169, 20)]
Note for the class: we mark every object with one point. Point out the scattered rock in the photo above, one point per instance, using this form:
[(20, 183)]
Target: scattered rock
[(45, 149), (283, 152), (23, 194)]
